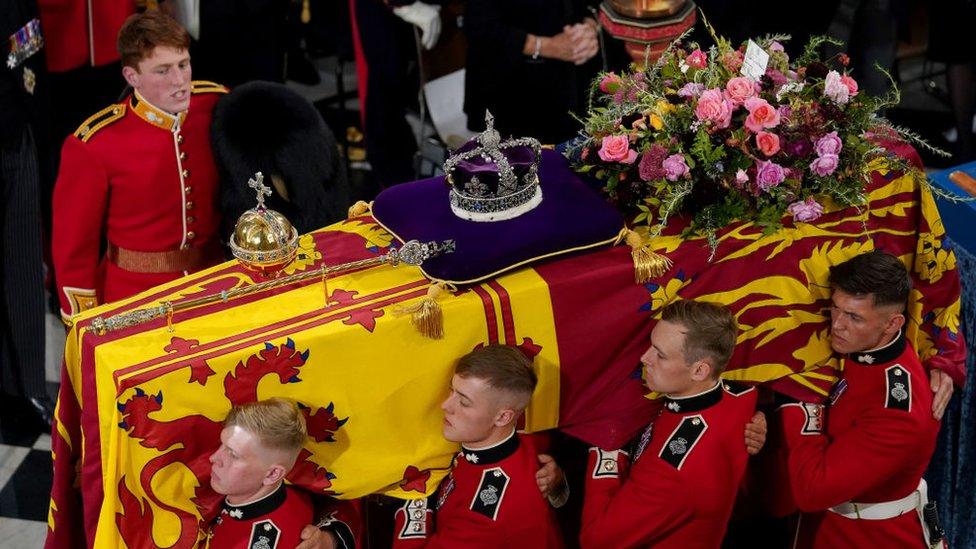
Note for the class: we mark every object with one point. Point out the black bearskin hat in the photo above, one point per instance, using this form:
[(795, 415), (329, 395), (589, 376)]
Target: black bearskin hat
[(266, 127)]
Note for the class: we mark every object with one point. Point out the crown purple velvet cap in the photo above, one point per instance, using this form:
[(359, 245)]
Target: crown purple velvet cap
[(493, 180), (572, 218)]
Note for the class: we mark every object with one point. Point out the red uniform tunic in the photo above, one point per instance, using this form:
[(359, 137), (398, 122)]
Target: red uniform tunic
[(490, 500), (686, 473), (880, 435), (82, 32), (143, 180), (274, 521)]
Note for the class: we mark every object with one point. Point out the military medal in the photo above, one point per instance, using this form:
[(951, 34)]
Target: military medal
[(445, 491), (30, 80), (24, 43), (837, 391), (645, 438)]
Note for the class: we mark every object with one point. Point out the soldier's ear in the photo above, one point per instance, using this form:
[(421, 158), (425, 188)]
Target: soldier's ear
[(131, 76), (701, 370), (505, 416), (275, 474), (895, 323)]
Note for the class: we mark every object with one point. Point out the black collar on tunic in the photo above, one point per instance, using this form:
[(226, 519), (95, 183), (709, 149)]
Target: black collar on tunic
[(883, 354), (694, 403), (492, 454), (257, 508)]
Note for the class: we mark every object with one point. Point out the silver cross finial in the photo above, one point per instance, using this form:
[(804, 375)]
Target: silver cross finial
[(257, 183)]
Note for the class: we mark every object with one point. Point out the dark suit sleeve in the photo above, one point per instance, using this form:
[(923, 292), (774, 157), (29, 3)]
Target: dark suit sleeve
[(485, 27)]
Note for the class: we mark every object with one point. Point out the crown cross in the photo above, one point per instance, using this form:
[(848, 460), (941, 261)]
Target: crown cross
[(257, 183)]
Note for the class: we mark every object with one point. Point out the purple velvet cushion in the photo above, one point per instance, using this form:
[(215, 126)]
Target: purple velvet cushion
[(571, 217), (520, 158)]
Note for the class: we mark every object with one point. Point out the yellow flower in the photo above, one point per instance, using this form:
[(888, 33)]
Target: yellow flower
[(656, 122)]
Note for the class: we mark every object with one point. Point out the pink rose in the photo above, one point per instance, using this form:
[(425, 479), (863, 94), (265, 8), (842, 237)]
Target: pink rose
[(824, 165), (733, 60), (776, 46), (740, 88), (850, 83), (741, 178), (714, 107), (761, 114), (835, 89), (828, 144), (696, 59), (610, 83), (616, 148), (768, 175), (767, 142), (806, 210), (675, 167)]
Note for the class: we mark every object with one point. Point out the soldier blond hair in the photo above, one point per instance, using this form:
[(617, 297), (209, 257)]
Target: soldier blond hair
[(277, 423), (503, 367)]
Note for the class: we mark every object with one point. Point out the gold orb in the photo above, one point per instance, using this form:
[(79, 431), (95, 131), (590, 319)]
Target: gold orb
[(264, 241)]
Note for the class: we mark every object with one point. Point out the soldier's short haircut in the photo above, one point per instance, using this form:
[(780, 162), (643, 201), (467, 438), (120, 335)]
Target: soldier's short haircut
[(875, 273), (503, 367), (142, 32), (710, 331), (277, 423)]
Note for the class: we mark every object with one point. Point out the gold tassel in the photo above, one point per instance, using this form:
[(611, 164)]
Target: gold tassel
[(306, 12), (360, 208), (647, 263), (427, 316)]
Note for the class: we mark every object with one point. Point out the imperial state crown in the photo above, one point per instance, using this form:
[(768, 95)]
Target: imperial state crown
[(494, 180)]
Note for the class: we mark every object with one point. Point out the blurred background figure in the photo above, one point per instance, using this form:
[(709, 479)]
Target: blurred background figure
[(530, 62), (950, 42), (23, 91), (386, 64)]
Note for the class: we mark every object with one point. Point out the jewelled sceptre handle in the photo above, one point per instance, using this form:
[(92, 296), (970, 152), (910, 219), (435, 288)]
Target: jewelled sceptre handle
[(412, 252)]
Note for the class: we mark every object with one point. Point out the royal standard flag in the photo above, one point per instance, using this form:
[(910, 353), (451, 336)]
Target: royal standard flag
[(140, 408)]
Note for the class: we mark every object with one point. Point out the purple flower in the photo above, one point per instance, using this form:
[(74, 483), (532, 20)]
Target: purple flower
[(785, 112), (800, 147), (824, 165), (828, 144), (650, 167), (806, 210), (768, 175), (778, 79), (675, 167), (691, 89)]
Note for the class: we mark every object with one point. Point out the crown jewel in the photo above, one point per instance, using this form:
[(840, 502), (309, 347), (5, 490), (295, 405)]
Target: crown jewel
[(494, 180), (263, 239)]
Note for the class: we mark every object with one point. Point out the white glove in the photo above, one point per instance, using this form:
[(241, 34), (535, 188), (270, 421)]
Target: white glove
[(426, 17)]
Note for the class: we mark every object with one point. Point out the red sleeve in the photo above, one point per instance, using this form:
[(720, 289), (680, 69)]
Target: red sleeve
[(80, 200), (638, 511), (826, 472), (343, 518)]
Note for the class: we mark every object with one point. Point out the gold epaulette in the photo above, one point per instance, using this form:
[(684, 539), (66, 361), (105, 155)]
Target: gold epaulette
[(205, 86), (99, 120)]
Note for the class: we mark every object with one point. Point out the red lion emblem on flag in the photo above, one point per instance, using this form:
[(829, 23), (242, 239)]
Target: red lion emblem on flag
[(190, 440)]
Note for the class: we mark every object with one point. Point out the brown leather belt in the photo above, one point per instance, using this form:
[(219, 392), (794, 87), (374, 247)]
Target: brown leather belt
[(170, 261)]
